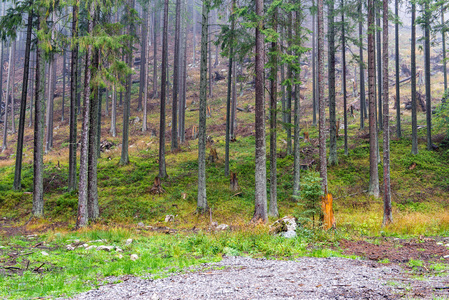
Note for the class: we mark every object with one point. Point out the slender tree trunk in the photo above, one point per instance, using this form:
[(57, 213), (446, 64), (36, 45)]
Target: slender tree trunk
[(13, 79), (194, 32), (23, 103), (314, 103), (92, 200), (143, 58), (49, 108), (343, 48), (124, 160), (379, 70), (9, 91), (162, 169), (396, 58), (288, 108), (283, 98), (388, 217), (260, 193), (202, 197), (83, 190), (209, 55), (234, 101), (155, 17), (333, 159), (296, 114), (413, 83), (374, 172), (273, 209), (182, 107), (427, 74), (38, 153), (145, 77), (64, 61), (443, 41), (362, 71), (31, 92), (174, 121), (322, 102), (113, 130), (73, 99), (228, 99)]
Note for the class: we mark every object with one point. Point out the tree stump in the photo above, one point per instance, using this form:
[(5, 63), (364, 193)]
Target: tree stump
[(213, 156), (157, 188), (234, 182)]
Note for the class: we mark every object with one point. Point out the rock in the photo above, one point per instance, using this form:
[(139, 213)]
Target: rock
[(117, 249), (446, 256), (285, 227), (440, 243), (105, 248), (44, 253), (91, 247), (447, 245), (140, 224), (136, 120), (222, 227), (155, 297), (288, 234), (70, 247), (169, 218), (134, 257), (119, 256), (214, 224), (128, 242)]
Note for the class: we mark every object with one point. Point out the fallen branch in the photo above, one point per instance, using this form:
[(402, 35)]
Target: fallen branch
[(37, 269)]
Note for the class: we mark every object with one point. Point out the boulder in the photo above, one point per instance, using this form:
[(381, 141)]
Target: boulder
[(169, 218), (285, 227), (134, 257), (128, 242)]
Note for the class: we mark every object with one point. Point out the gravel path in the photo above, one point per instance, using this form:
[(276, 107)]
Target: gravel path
[(248, 278)]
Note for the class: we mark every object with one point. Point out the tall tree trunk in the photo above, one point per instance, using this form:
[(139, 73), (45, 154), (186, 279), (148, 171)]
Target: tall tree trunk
[(182, 107), (194, 31), (234, 101), (124, 159), (39, 110), (388, 217), (443, 42), (427, 15), (49, 107), (143, 57), (64, 61), (273, 208), (374, 172), (13, 79), (113, 130), (288, 108), (156, 18), (174, 121), (23, 103), (229, 92), (94, 133), (209, 55), (283, 98), (202, 197), (314, 103), (296, 112), (162, 169), (83, 190), (322, 102), (145, 75), (260, 193), (396, 58), (333, 159), (413, 83), (31, 92), (73, 99), (343, 54), (9, 91), (379, 69), (362, 71)]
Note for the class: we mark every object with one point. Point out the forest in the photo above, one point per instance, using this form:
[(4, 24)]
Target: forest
[(186, 131)]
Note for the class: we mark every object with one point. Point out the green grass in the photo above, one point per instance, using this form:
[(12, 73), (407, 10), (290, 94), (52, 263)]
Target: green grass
[(65, 273)]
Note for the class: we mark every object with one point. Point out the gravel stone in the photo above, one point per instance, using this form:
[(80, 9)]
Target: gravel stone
[(248, 278)]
